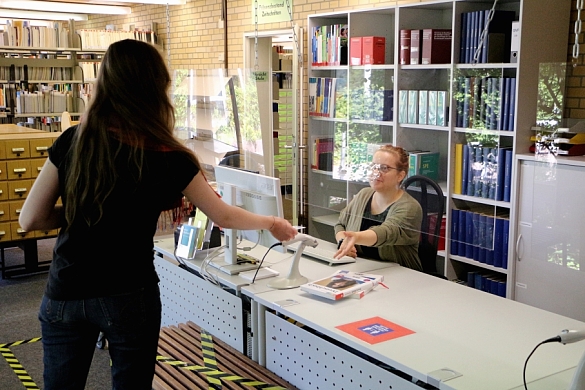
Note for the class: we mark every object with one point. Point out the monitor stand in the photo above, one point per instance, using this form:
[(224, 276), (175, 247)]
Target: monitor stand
[(232, 269), (232, 263)]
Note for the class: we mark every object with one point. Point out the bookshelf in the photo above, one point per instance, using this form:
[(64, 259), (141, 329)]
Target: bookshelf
[(358, 118), (48, 69)]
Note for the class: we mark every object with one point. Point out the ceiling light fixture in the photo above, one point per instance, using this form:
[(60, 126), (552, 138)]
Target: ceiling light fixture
[(14, 14), (160, 2), (54, 6)]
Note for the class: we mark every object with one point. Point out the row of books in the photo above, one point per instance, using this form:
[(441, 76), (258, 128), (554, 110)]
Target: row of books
[(483, 171), (329, 45), (495, 47), (480, 235), (35, 73), (371, 104), (427, 46), (101, 39), (19, 33), (489, 282), (43, 101), (324, 93), (90, 69), (486, 103), (423, 163), (322, 153), (423, 107)]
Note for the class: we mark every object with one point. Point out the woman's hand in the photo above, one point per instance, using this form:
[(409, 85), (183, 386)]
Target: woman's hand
[(282, 230), (347, 247)]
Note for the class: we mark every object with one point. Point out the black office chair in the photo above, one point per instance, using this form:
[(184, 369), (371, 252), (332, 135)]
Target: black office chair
[(430, 196)]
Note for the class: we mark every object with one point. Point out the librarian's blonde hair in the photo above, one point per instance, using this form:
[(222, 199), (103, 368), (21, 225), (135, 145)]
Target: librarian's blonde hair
[(130, 105)]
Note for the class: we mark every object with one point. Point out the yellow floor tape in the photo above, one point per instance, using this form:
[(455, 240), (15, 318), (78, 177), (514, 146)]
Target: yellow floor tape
[(13, 362), (214, 376)]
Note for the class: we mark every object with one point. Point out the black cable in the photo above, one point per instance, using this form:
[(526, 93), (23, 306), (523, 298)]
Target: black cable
[(262, 261), (551, 340)]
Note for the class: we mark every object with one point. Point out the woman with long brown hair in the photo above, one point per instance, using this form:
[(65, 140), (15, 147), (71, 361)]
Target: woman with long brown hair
[(115, 173)]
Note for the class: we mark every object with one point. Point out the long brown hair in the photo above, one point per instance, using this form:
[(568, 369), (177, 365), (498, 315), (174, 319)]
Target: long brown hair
[(130, 103)]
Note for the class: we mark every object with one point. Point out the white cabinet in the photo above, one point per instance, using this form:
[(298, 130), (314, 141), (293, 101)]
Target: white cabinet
[(550, 238)]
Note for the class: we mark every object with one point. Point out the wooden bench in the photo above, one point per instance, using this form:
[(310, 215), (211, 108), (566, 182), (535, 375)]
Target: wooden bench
[(185, 362)]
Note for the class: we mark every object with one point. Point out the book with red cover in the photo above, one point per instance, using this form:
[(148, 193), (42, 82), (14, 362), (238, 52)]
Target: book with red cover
[(415, 52), (404, 47), (375, 330), (355, 50), (436, 46), (373, 50)]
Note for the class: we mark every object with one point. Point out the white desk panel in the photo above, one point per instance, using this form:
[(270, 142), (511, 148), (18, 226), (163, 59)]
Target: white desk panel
[(484, 337)]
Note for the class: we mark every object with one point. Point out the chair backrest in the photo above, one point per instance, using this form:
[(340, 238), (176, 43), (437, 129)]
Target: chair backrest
[(430, 196)]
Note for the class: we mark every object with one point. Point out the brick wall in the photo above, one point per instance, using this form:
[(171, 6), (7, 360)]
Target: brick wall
[(575, 86)]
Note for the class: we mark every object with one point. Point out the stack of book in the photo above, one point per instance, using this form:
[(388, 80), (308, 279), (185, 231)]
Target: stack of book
[(482, 235), (343, 284), (427, 46), (483, 171), (323, 148), (423, 107), (496, 44), (487, 281), (486, 103), (329, 45), (327, 96)]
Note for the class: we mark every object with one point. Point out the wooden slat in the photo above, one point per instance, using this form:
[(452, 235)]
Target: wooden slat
[(183, 343)]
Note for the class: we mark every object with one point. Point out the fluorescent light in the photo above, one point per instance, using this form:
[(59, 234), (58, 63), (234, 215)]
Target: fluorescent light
[(54, 6), (161, 2), (13, 14)]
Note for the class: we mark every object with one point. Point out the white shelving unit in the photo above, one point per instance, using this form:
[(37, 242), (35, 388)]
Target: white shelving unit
[(329, 191)]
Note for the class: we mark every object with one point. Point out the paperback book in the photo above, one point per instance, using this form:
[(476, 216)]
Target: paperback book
[(343, 284)]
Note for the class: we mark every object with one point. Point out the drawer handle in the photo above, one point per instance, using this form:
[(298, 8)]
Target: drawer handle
[(42, 148), (1, 212), (20, 231), (17, 150), (39, 168), (20, 190), (1, 192), (2, 233), (19, 170), (17, 211)]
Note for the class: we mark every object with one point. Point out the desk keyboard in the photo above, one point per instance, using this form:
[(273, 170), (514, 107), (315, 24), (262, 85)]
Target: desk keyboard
[(324, 252)]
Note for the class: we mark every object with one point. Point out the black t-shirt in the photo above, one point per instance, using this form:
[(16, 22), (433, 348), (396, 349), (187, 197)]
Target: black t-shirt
[(369, 220), (115, 255)]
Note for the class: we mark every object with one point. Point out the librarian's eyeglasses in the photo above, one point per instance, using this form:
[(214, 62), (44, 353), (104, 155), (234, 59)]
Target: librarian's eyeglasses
[(383, 168)]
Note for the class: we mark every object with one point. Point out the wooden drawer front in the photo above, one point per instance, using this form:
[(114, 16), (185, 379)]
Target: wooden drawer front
[(3, 171), (5, 232), (18, 169), (2, 150), (19, 189), (39, 147), (3, 190), (46, 233), (35, 166), (18, 233), (4, 211), (18, 148), (15, 207)]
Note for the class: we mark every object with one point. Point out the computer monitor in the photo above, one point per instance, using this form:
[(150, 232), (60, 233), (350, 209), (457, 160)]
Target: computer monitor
[(256, 193)]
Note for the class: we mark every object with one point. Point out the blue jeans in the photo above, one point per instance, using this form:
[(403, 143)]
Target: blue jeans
[(130, 322)]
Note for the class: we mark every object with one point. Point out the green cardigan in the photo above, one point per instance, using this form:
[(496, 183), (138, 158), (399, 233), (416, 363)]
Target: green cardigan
[(398, 235)]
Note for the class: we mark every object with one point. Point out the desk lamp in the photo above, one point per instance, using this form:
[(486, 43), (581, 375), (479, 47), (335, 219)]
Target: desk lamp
[(294, 277)]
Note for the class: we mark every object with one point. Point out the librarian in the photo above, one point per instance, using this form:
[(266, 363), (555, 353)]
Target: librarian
[(382, 221)]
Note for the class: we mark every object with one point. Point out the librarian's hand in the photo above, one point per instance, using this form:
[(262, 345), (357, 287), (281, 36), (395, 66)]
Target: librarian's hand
[(347, 246), (282, 230)]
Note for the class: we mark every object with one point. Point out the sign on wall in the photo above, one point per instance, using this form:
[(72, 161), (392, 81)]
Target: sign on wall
[(271, 11)]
